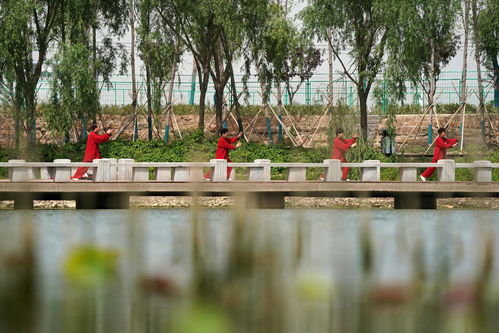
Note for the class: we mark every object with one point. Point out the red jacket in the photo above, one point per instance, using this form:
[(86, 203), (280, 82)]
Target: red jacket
[(441, 145), (223, 147), (340, 147), (92, 149)]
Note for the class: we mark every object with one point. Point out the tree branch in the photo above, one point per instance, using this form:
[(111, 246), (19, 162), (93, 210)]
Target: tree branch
[(341, 61)]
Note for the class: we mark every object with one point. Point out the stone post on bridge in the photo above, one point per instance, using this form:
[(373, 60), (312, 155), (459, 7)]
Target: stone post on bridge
[(18, 172), (219, 171), (104, 172), (260, 172), (62, 173), (125, 170), (482, 171), (332, 171), (446, 170), (370, 174)]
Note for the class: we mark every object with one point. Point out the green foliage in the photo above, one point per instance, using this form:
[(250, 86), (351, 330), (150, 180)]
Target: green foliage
[(488, 30), (424, 41), (74, 90), (363, 152)]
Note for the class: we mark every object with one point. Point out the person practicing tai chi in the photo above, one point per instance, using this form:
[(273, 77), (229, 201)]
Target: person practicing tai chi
[(442, 143), (224, 145), (92, 150), (340, 147)]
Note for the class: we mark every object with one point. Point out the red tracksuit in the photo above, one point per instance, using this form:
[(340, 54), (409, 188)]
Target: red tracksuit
[(91, 151), (441, 145), (223, 147), (340, 147)]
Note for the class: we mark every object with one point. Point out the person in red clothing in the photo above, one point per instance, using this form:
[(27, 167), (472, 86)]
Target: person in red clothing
[(92, 150), (441, 146), (340, 147), (224, 145)]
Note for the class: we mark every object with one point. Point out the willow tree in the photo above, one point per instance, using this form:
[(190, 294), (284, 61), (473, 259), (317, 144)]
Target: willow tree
[(79, 61), (27, 29), (160, 56), (487, 33), (214, 32), (364, 27), (423, 42)]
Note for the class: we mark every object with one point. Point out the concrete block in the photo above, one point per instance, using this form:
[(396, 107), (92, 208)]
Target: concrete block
[(62, 174), (219, 171), (446, 170), (125, 169), (408, 174), (371, 174), (482, 171), (260, 172), (298, 174), (140, 174), (332, 171), (164, 174), (18, 173)]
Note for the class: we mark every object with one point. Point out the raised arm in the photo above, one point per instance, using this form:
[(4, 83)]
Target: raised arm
[(232, 140), (442, 144), (224, 144), (338, 144), (101, 138)]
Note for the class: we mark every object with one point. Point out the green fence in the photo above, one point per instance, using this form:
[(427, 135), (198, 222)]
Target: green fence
[(311, 92)]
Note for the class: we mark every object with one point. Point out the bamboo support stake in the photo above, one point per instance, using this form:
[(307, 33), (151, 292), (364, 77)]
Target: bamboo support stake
[(293, 140), (448, 122), (418, 125), (318, 123)]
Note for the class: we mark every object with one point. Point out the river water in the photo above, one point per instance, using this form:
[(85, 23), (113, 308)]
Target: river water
[(322, 247)]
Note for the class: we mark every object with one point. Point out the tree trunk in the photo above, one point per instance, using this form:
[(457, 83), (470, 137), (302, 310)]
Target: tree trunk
[(331, 79), (149, 103), (30, 100), (465, 69), (132, 64), (481, 106), (496, 80), (204, 79), (363, 111), (236, 99), (431, 94), (219, 95)]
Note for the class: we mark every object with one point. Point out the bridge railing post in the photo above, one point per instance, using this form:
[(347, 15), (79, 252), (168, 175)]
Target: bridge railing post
[(446, 170), (62, 173), (125, 169), (163, 174), (408, 174), (297, 174), (260, 172), (332, 170), (47, 172), (18, 172), (219, 171), (482, 171), (180, 174), (140, 174), (370, 174), (103, 173), (113, 169)]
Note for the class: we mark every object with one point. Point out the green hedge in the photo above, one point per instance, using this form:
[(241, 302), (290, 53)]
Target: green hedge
[(195, 147)]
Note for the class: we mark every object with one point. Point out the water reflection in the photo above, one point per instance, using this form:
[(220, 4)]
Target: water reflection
[(249, 271)]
